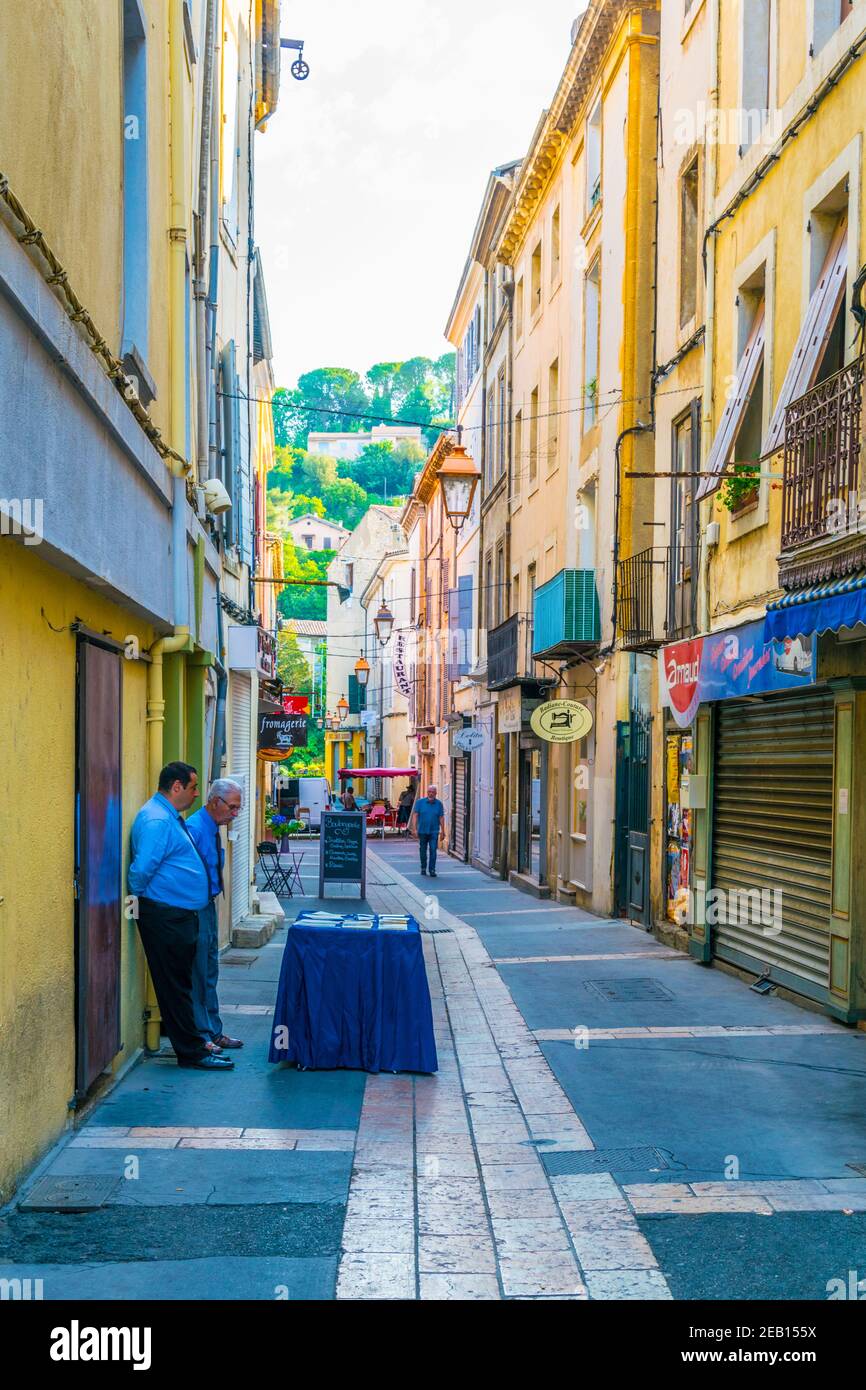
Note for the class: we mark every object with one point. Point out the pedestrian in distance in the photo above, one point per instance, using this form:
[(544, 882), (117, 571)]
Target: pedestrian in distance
[(223, 805), (168, 878), (348, 800), (404, 806), (428, 824)]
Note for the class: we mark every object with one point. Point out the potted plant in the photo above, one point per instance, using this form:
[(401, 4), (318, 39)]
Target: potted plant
[(280, 829), (740, 489)]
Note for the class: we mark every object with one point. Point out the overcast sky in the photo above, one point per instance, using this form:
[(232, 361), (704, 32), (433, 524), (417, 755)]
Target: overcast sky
[(370, 175)]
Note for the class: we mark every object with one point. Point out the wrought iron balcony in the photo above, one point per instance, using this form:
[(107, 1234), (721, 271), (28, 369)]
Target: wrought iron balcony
[(565, 614), (504, 661), (656, 596), (822, 457)]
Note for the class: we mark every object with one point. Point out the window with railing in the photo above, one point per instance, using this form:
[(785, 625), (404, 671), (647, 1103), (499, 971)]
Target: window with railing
[(821, 471)]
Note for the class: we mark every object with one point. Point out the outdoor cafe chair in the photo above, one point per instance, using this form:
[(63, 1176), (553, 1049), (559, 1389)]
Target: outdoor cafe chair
[(277, 880)]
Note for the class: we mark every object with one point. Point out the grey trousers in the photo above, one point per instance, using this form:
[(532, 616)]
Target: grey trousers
[(205, 975)]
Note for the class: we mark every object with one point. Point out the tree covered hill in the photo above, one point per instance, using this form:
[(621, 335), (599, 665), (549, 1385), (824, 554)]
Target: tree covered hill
[(420, 390)]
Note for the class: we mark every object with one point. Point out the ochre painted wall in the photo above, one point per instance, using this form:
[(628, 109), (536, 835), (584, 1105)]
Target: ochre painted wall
[(37, 759)]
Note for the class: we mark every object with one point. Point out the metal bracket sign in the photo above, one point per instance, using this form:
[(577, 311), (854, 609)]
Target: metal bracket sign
[(343, 849), (467, 740), (561, 721)]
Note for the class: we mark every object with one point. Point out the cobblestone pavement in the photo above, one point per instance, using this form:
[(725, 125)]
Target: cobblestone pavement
[(609, 1121)]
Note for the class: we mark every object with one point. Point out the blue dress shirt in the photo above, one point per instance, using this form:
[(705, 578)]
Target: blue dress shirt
[(166, 865), (206, 834)]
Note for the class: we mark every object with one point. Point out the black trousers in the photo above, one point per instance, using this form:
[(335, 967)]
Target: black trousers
[(170, 939)]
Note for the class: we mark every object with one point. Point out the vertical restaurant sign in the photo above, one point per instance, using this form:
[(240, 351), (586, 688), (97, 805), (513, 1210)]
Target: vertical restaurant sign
[(402, 679), (732, 664)]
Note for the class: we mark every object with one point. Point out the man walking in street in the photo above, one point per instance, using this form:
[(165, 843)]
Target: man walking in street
[(168, 878), (224, 802), (428, 823)]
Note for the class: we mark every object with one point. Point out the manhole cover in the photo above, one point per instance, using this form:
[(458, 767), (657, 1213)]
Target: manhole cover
[(69, 1194), (629, 991), (640, 1159)]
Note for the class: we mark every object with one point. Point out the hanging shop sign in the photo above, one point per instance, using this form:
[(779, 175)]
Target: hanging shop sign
[(729, 665), (282, 732), (561, 721), (296, 704), (468, 740), (402, 679)]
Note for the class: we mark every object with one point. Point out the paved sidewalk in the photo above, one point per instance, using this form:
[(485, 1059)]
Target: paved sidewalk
[(596, 1093)]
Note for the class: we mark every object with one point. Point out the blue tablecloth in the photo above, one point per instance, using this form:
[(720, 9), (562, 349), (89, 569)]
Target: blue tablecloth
[(354, 997)]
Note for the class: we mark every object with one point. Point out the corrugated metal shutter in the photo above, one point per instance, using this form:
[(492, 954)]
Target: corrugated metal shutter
[(773, 825), (241, 735), (461, 820)]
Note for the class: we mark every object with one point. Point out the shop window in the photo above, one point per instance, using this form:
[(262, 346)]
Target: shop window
[(678, 824), (689, 243), (579, 791)]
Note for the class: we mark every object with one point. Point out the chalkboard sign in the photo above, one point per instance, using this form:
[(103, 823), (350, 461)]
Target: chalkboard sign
[(343, 849)]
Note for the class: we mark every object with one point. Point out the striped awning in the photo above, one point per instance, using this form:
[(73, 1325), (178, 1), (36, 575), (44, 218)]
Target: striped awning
[(821, 608)]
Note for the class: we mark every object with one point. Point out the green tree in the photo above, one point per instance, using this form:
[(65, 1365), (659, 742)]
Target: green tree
[(384, 470), (335, 390), (299, 599), (345, 501), (293, 668)]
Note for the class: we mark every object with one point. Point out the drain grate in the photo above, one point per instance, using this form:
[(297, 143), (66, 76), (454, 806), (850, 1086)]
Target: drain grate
[(618, 991), (83, 1193), (641, 1158)]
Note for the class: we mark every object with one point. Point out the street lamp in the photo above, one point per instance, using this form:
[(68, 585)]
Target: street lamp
[(458, 478), (362, 671), (342, 710), (383, 623)]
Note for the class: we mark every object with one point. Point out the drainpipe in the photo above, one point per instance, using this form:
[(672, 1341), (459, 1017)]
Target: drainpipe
[(703, 614), (200, 290)]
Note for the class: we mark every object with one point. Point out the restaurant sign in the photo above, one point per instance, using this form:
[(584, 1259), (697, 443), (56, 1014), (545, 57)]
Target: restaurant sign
[(730, 665)]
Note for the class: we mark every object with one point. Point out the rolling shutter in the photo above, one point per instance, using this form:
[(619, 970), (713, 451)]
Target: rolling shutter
[(241, 731), (773, 823), (461, 820)]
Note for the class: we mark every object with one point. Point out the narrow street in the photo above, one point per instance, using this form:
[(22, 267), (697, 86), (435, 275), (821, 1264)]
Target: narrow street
[(539, 1163)]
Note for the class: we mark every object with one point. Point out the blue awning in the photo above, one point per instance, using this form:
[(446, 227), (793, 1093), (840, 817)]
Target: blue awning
[(823, 608)]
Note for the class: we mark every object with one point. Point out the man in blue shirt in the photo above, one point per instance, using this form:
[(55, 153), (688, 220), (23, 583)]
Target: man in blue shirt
[(428, 823), (170, 883), (224, 803)]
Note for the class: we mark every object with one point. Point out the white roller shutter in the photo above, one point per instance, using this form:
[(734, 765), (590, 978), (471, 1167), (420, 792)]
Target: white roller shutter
[(241, 742)]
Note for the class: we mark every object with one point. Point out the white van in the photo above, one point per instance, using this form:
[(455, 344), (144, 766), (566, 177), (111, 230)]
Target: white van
[(305, 798)]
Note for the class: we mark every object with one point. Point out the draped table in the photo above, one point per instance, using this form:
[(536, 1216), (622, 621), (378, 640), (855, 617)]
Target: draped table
[(353, 996)]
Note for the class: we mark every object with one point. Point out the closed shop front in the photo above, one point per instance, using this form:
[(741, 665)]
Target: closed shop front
[(460, 783), (770, 908)]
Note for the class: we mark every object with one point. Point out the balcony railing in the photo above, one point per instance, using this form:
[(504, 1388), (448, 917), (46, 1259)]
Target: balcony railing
[(565, 614), (822, 457), (656, 596), (503, 652)]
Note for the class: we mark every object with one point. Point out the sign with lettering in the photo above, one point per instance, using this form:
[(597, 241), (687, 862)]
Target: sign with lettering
[(343, 849), (731, 664), (296, 704), (467, 740), (561, 721), (282, 732)]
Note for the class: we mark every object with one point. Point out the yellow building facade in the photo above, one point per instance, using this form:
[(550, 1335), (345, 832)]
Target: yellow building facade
[(770, 690), (578, 241)]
